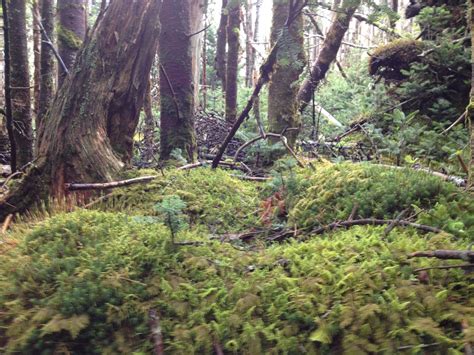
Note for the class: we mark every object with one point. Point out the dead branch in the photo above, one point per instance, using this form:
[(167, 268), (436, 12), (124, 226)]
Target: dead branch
[(467, 255), (156, 334), (173, 93), (109, 185), (6, 224), (236, 166), (390, 227), (458, 181), (252, 178), (445, 267)]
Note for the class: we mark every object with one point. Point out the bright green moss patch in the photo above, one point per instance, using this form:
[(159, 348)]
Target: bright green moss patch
[(85, 282), (213, 197)]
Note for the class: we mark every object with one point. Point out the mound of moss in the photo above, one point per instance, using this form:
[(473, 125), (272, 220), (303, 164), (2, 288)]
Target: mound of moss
[(214, 198), (331, 193), (85, 282)]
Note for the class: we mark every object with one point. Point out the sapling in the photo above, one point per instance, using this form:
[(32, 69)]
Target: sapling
[(171, 212)]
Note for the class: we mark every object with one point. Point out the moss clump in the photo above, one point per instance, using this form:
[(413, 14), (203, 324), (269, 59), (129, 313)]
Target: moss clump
[(214, 198), (390, 60), (69, 38), (85, 282)]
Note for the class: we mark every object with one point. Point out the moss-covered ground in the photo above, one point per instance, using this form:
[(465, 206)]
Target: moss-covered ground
[(85, 282)]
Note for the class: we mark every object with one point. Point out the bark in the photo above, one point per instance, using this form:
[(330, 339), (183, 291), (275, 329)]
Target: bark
[(71, 32), (149, 129), (8, 100), (283, 88), (20, 83), (37, 56), (328, 53), (233, 29), (256, 37), (220, 64), (249, 50), (47, 87), (180, 19), (89, 130)]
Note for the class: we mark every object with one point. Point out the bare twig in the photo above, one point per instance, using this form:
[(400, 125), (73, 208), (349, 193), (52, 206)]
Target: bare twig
[(173, 93), (464, 114), (200, 31), (390, 227), (4, 185), (445, 267), (6, 223), (109, 185), (355, 208), (467, 255)]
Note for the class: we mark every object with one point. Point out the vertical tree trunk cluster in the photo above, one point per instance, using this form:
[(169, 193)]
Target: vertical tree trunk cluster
[(20, 83), (283, 88), (71, 32), (233, 36), (180, 20), (88, 133)]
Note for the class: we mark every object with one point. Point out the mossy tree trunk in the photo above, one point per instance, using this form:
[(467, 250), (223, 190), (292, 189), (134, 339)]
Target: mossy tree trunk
[(471, 103), (233, 35), (328, 52), (149, 126), (180, 20), (283, 88), (47, 83), (71, 32), (88, 133), (20, 83), (221, 45)]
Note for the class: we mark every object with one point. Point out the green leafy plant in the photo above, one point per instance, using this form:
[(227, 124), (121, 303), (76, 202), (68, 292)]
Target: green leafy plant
[(171, 211)]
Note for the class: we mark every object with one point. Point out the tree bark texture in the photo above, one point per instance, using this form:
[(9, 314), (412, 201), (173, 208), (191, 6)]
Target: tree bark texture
[(256, 37), (283, 88), (233, 35), (470, 182), (37, 56), (88, 133), (249, 50), (328, 52), (149, 126), (71, 32), (20, 83), (180, 19), (221, 46), (47, 87)]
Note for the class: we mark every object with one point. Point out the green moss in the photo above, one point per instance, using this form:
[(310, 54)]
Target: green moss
[(87, 280), (69, 38)]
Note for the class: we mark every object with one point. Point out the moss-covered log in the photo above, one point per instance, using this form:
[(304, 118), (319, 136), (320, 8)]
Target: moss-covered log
[(177, 75), (283, 88), (71, 32), (88, 133)]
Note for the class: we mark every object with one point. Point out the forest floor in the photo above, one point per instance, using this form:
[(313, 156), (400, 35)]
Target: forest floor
[(201, 261)]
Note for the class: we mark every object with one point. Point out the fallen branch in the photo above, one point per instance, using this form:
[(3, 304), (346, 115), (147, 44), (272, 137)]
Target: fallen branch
[(156, 334), (236, 166), (109, 185), (458, 181), (6, 224), (445, 267), (467, 255), (252, 178)]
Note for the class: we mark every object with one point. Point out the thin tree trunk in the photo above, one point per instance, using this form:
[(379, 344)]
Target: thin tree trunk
[(47, 88), (20, 83), (8, 99), (233, 29), (470, 183), (71, 32), (89, 130), (204, 71), (149, 129), (37, 56), (220, 63), (283, 88), (249, 51), (256, 37), (178, 79), (329, 51)]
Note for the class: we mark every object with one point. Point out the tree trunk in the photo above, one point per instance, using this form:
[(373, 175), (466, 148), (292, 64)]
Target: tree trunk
[(89, 130), (71, 32), (149, 129), (249, 50), (283, 88), (256, 37), (220, 63), (8, 99), (20, 83), (178, 80), (37, 56), (328, 53), (47, 88), (233, 29)]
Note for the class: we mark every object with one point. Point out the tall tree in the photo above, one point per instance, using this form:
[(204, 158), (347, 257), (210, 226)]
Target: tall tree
[(221, 46), (149, 126), (233, 30), (256, 37), (47, 87), (249, 49), (283, 88), (36, 54), (180, 20), (88, 133), (471, 101), (329, 50), (20, 83), (71, 32)]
